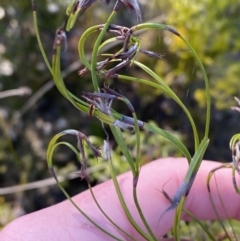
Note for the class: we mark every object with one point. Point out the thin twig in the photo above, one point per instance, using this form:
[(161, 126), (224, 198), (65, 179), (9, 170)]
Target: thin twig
[(48, 181), (16, 92)]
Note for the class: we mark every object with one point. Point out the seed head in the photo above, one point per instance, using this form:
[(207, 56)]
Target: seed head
[(133, 6)]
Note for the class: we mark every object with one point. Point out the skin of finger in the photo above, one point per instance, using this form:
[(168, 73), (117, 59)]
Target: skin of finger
[(63, 221)]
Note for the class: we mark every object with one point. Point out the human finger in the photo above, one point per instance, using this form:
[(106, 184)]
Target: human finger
[(67, 221)]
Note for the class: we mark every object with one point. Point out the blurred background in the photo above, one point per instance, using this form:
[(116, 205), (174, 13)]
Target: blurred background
[(32, 110)]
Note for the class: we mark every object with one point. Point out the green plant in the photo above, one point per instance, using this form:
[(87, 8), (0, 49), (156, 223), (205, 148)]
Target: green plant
[(99, 104), (235, 148)]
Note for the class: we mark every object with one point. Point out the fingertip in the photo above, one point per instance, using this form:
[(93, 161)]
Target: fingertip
[(223, 194)]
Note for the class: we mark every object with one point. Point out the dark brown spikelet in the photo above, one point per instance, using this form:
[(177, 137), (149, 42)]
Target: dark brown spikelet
[(133, 6)]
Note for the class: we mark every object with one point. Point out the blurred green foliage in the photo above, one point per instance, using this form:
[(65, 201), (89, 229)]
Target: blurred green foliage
[(192, 231), (211, 27)]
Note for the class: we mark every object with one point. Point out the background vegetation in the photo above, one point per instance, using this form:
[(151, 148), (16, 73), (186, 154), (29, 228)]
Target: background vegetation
[(29, 119)]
